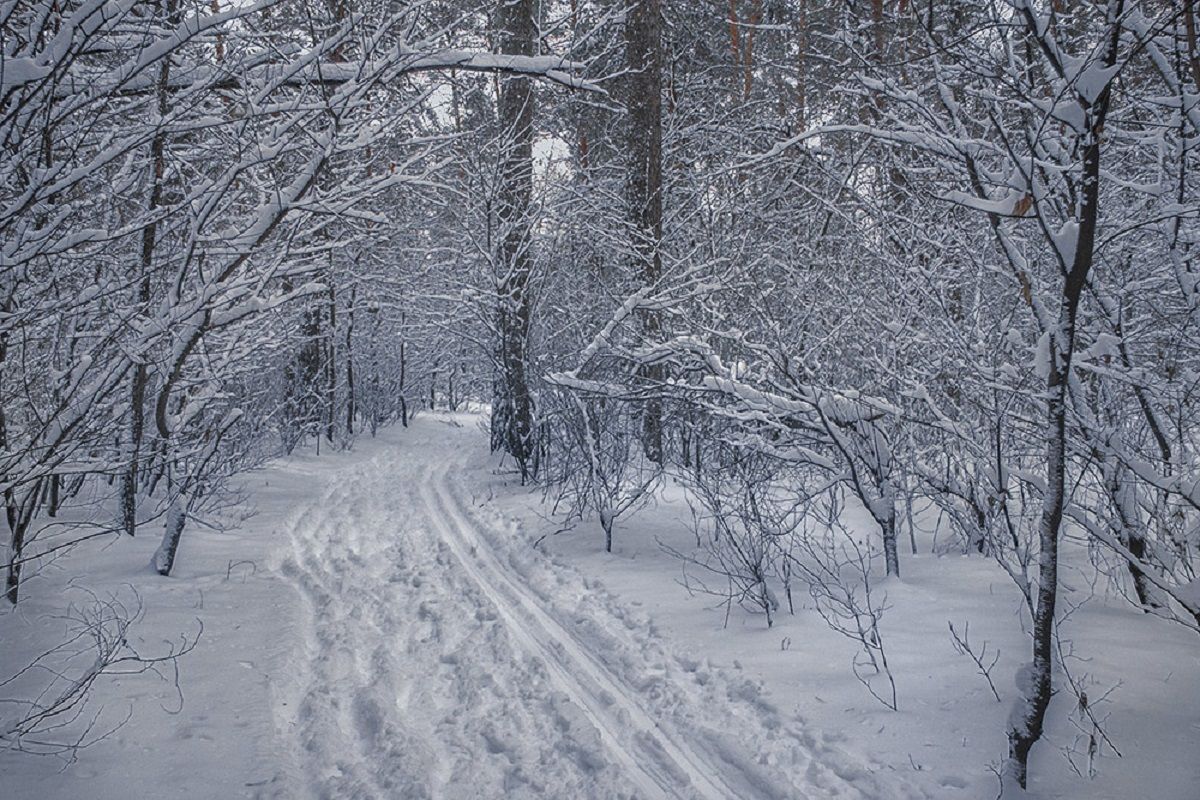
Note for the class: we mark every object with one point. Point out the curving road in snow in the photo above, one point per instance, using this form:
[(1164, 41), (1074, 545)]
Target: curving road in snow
[(444, 658)]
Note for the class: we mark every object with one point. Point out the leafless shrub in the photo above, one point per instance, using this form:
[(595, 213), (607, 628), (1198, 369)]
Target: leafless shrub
[(1088, 717), (599, 466), (837, 564), (51, 711), (963, 646), (742, 522)]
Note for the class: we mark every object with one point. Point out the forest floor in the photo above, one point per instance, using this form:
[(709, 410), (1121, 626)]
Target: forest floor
[(383, 627)]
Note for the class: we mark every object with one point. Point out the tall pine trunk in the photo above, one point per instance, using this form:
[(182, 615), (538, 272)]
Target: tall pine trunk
[(512, 402), (643, 51)]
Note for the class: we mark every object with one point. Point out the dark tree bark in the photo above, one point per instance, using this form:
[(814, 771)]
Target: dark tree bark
[(1127, 528), (756, 13), (137, 392), (330, 352), (10, 500), (403, 376), (512, 402), (643, 51), (55, 495), (19, 519), (1036, 685), (350, 404)]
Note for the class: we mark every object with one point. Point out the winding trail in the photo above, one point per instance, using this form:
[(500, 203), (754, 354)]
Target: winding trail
[(432, 668)]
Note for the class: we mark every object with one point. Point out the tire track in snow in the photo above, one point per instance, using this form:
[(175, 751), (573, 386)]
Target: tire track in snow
[(565, 658)]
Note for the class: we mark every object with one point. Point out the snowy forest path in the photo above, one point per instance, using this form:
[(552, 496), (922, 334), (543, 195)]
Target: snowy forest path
[(609, 705), (443, 658)]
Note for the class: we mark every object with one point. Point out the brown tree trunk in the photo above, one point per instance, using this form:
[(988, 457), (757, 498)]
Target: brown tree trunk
[(643, 47), (735, 39), (1189, 23), (756, 11), (801, 110), (512, 402)]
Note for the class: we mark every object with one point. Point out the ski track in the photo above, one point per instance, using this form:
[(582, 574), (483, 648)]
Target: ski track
[(430, 670), (608, 703)]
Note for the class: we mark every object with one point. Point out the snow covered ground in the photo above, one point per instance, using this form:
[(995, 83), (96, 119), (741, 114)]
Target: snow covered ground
[(383, 628)]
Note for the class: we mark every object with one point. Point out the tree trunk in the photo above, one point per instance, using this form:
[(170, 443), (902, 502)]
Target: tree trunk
[(403, 379), (512, 403), (55, 495), (891, 554), (1036, 679), (12, 580), (1034, 682), (19, 522), (164, 556), (643, 49), (1189, 23), (756, 12), (137, 392), (350, 409), (330, 366), (10, 505)]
